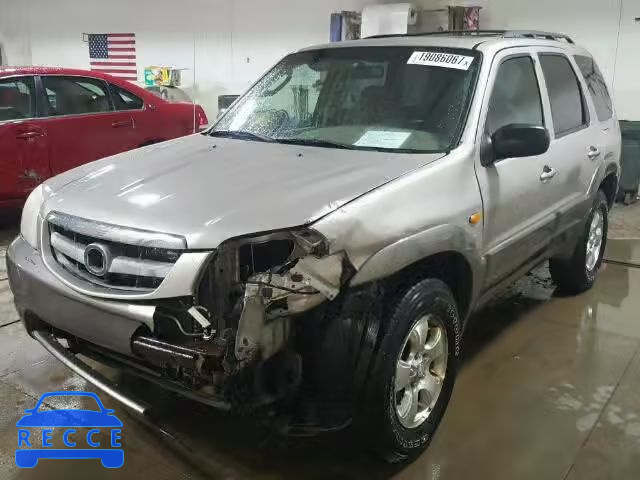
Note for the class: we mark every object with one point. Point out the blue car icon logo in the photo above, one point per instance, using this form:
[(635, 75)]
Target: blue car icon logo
[(29, 450)]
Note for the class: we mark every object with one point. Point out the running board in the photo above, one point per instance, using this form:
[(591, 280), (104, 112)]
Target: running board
[(95, 378)]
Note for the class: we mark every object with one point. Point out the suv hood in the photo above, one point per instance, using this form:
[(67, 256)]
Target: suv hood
[(212, 189)]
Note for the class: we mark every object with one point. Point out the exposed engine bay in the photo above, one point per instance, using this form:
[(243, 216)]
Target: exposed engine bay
[(235, 339)]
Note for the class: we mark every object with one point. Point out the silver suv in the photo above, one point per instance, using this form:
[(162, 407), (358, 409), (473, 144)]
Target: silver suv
[(319, 249)]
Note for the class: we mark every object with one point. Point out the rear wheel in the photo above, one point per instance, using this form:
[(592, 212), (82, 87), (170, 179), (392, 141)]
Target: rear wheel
[(413, 372), (579, 272)]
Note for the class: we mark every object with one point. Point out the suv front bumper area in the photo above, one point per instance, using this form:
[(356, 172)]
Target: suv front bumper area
[(118, 333), (38, 293)]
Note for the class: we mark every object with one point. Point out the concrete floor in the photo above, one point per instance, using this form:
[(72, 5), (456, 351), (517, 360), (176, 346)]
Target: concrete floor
[(550, 389)]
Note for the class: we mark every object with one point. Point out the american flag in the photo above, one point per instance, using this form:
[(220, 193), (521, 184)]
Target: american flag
[(114, 53)]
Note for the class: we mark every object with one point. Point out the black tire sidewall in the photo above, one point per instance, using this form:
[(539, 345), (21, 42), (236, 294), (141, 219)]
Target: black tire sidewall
[(390, 437), (602, 205), (572, 276)]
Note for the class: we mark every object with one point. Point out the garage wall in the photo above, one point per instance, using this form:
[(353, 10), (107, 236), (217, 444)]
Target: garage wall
[(14, 38), (593, 24), (224, 44)]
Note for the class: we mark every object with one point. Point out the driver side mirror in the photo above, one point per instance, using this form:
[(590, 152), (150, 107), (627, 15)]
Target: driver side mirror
[(514, 141)]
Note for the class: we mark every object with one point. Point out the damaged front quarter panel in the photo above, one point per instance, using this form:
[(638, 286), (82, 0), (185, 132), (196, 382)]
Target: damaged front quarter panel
[(270, 280)]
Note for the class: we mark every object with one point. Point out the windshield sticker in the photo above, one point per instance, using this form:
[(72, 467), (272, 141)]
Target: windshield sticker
[(382, 139), (439, 59)]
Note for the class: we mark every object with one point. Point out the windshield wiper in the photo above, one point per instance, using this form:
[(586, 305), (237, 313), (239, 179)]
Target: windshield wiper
[(314, 143), (241, 135)]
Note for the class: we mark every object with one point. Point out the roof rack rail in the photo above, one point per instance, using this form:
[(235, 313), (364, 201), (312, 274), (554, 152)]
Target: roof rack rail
[(498, 33), (537, 34)]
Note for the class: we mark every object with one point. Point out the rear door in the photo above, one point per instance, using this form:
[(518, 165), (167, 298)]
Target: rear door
[(144, 130), (605, 119), (24, 158), (82, 123), (577, 143)]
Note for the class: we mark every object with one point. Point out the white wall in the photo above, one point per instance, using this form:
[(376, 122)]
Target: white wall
[(593, 24), (227, 44), (14, 33), (224, 44)]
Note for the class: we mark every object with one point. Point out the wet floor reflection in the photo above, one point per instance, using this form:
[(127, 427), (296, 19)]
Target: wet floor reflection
[(543, 378), (247, 448)]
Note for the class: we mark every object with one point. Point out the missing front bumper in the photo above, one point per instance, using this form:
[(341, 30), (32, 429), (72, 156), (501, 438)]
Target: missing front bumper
[(95, 378)]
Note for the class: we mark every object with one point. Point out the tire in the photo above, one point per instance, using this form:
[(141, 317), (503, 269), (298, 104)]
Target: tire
[(575, 275), (380, 419)]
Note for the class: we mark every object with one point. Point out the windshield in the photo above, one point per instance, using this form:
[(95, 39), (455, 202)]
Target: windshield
[(381, 98)]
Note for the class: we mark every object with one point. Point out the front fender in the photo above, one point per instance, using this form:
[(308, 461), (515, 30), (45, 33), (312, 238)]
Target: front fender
[(409, 250)]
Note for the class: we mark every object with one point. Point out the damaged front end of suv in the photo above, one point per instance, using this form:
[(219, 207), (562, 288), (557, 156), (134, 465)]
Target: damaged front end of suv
[(234, 340), (295, 256)]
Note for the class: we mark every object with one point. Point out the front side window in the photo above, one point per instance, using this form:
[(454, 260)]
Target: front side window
[(17, 99), (516, 95), (125, 100), (380, 98), (75, 95), (597, 86), (567, 104)]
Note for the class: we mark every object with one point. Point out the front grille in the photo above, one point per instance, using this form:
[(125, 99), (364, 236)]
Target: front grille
[(106, 260)]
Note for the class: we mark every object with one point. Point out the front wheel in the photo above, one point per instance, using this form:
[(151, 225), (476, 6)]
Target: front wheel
[(578, 274), (413, 372)]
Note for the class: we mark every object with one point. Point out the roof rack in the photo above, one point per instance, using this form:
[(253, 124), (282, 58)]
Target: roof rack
[(535, 34)]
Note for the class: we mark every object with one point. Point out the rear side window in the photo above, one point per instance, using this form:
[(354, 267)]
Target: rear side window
[(17, 99), (567, 104), (75, 95), (516, 95), (125, 100), (597, 86)]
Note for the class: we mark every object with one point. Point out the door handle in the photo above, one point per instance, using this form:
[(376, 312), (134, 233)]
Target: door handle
[(122, 124), (28, 135), (593, 153), (547, 173)]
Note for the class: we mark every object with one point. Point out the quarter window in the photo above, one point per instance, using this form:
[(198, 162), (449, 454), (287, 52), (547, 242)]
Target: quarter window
[(76, 95), (17, 98), (125, 100), (567, 103), (516, 95), (597, 86)]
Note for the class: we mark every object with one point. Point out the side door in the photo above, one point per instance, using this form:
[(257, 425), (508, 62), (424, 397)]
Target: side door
[(518, 213), (143, 129), (81, 122), (576, 143), (24, 154), (605, 119)]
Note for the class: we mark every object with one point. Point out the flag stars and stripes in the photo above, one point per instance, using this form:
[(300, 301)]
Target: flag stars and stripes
[(114, 53)]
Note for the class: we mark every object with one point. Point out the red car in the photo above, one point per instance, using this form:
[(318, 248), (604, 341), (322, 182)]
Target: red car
[(54, 119)]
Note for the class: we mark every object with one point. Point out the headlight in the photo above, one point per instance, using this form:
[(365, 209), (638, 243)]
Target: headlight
[(29, 222)]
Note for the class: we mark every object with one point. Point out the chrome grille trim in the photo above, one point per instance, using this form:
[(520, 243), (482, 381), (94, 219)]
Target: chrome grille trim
[(120, 264), (116, 233), (181, 281), (69, 266)]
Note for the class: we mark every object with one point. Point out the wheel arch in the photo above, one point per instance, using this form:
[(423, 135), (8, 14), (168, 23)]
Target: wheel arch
[(450, 267), (609, 185), (446, 252)]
